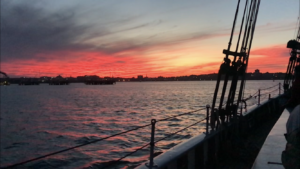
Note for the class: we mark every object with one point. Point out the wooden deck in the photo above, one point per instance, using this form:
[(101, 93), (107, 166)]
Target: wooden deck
[(269, 156)]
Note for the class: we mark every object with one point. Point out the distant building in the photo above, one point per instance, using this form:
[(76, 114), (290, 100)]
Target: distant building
[(93, 77), (160, 78), (44, 78), (81, 78), (140, 77), (193, 77), (256, 73), (59, 77), (107, 78)]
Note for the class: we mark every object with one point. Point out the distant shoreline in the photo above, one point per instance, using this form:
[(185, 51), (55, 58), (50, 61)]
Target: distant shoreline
[(141, 78), (167, 81)]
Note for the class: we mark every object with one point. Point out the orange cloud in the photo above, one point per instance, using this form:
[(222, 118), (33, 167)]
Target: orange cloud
[(133, 63), (269, 59), (166, 60), (83, 63)]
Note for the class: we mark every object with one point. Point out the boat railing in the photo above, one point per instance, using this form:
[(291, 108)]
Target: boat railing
[(200, 151), (167, 158), (152, 124)]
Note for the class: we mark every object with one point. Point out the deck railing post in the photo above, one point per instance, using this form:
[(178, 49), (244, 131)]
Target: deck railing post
[(207, 118), (258, 96), (269, 96), (151, 164), (279, 88)]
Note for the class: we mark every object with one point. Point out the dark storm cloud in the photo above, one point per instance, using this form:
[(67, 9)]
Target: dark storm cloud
[(27, 30)]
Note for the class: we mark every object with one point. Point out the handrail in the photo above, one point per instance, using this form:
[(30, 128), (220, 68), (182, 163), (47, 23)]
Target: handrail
[(129, 154), (179, 115), (94, 141), (270, 87), (270, 92), (169, 135), (70, 148)]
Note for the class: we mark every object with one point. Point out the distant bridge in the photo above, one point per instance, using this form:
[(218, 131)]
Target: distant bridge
[(4, 74)]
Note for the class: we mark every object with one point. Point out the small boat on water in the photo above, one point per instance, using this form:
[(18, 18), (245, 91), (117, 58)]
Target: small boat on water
[(5, 83)]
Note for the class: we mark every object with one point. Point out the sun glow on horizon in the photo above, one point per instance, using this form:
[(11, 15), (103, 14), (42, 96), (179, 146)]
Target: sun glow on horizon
[(120, 40)]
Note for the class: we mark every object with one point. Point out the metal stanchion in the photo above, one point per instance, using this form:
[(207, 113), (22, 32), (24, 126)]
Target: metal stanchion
[(258, 96), (207, 118), (151, 163), (279, 88)]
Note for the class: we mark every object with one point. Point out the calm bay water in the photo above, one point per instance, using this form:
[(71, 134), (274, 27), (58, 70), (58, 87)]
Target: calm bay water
[(36, 120)]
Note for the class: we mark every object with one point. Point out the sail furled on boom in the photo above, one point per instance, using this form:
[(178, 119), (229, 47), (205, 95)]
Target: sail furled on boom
[(234, 66)]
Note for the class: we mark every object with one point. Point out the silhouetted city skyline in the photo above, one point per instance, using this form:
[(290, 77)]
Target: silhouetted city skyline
[(257, 75)]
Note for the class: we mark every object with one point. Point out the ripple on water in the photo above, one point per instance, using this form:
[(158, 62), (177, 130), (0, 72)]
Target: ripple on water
[(16, 145), (84, 140), (42, 119)]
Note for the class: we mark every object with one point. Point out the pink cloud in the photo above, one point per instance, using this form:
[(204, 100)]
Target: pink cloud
[(269, 59)]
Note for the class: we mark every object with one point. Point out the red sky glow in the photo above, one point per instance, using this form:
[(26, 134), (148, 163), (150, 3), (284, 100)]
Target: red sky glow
[(150, 38)]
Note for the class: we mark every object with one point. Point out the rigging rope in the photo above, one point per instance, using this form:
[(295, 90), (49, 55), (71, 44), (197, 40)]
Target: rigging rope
[(297, 24), (244, 86)]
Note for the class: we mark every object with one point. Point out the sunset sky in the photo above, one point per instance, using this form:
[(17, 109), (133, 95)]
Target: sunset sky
[(126, 38)]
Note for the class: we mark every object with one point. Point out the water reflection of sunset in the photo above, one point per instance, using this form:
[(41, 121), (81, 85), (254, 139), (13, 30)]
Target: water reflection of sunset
[(52, 118)]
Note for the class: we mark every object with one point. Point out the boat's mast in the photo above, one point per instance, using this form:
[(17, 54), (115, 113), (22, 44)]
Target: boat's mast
[(294, 60), (235, 69)]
